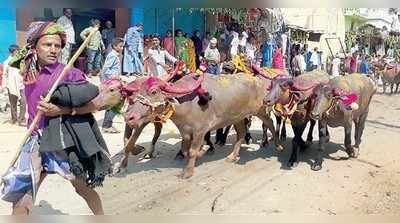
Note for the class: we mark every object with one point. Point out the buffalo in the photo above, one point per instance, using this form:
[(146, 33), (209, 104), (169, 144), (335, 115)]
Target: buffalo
[(344, 100), (195, 114), (292, 99)]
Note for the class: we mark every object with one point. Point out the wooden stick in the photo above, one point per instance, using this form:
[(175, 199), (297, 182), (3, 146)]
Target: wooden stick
[(39, 114)]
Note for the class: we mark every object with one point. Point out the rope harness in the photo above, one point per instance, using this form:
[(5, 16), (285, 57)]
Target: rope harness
[(168, 111), (286, 111), (331, 106)]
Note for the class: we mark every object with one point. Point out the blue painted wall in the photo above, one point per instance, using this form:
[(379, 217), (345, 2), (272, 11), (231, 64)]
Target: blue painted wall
[(8, 33), (160, 20)]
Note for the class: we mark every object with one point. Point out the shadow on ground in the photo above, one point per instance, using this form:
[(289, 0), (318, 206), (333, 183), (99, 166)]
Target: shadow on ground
[(165, 153)]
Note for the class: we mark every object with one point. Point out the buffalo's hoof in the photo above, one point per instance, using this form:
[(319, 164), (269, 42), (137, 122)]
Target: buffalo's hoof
[(137, 150), (211, 151), (186, 174), (248, 140), (282, 138), (148, 156), (293, 164), (353, 152), (179, 156), (118, 170), (317, 166), (308, 143), (265, 144), (232, 159), (220, 142)]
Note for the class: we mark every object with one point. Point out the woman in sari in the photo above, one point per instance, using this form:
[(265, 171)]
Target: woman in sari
[(192, 54), (277, 59), (181, 47)]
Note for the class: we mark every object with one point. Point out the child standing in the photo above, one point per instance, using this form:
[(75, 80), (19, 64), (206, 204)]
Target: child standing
[(112, 69)]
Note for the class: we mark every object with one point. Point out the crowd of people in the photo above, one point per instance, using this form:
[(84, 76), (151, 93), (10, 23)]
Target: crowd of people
[(136, 54)]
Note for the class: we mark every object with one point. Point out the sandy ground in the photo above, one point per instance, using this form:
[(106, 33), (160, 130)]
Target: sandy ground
[(260, 183)]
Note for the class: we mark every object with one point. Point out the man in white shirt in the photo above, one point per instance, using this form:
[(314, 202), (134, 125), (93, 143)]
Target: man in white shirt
[(66, 23), (243, 42), (15, 88), (335, 66), (157, 59), (212, 57), (234, 44), (314, 59)]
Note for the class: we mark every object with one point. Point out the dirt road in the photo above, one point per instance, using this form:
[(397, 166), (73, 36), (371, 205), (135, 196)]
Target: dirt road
[(260, 183)]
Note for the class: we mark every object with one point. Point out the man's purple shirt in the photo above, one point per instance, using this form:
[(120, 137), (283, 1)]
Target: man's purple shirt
[(42, 85)]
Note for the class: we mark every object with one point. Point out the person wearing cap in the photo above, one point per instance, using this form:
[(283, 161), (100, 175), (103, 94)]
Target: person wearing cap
[(212, 57), (94, 49), (15, 88), (66, 140), (134, 49), (157, 59)]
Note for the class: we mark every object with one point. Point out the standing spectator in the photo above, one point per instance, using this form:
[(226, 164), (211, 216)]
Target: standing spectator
[(314, 59), (108, 34), (66, 23), (242, 42), (198, 45), (251, 49), (111, 69), (168, 43), (277, 60), (181, 47), (267, 51), (307, 56), (133, 53), (353, 63), (297, 62), (212, 57), (192, 53), (206, 41), (147, 45), (364, 65), (234, 44), (335, 66), (94, 49), (15, 88), (321, 64), (157, 59)]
